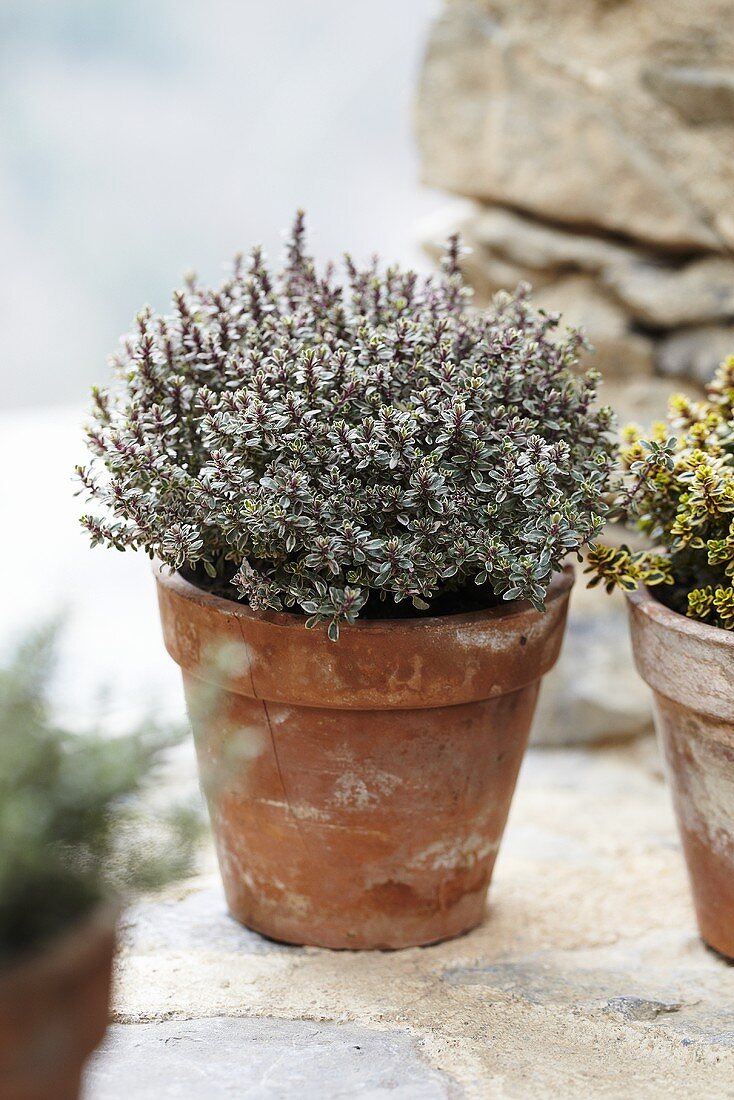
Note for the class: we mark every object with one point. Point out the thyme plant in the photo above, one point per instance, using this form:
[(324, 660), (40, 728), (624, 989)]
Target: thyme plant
[(678, 488), (338, 448), (72, 827)]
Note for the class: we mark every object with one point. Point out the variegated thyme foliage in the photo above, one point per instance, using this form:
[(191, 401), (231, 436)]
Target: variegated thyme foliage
[(322, 444), (679, 490)]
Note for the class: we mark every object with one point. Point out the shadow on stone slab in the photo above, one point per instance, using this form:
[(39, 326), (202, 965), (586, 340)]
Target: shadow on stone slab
[(262, 1059)]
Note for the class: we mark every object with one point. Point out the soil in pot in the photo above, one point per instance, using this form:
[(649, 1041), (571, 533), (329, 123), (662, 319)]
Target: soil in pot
[(54, 1006), (358, 790), (690, 668)]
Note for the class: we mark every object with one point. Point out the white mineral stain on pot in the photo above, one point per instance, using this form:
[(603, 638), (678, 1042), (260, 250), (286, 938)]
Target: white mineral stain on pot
[(448, 854), (232, 867), (304, 811), (486, 638), (269, 890), (185, 642), (709, 808), (279, 715), (364, 790)]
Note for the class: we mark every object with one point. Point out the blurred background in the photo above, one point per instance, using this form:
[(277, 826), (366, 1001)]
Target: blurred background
[(141, 140), (587, 148)]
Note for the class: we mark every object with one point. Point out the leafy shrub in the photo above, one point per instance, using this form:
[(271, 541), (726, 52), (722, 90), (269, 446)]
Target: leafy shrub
[(679, 490), (71, 829), (325, 447)]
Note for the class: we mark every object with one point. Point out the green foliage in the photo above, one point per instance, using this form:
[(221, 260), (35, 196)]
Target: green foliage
[(679, 490), (323, 446), (72, 828)]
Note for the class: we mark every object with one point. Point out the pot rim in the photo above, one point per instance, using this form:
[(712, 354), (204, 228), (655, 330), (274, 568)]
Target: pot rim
[(65, 949), (681, 659), (560, 583), (644, 599)]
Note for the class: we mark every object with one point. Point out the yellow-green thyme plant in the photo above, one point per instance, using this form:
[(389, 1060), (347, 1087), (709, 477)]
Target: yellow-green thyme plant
[(678, 488)]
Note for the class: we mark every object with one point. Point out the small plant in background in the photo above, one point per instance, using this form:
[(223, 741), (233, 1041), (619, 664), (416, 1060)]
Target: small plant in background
[(73, 829), (678, 489), (341, 449)]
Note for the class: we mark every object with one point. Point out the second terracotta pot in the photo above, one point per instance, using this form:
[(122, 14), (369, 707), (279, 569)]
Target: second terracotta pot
[(358, 790), (54, 1006), (690, 667)]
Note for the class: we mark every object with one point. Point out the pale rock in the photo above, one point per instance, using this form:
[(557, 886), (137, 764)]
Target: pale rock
[(665, 297), (694, 353), (543, 108), (484, 271), (700, 96), (540, 247), (617, 350), (263, 1059), (594, 693), (642, 401), (725, 227)]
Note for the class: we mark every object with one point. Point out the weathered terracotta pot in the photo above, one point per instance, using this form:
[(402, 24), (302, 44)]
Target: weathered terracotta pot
[(358, 790), (690, 667), (54, 1007)]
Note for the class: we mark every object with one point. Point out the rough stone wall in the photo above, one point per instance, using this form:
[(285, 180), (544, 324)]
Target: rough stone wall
[(597, 140)]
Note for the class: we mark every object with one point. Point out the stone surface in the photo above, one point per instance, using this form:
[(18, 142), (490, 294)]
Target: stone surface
[(598, 141), (662, 297), (616, 349), (546, 108), (643, 400), (650, 980), (587, 979), (486, 265), (593, 693), (540, 247), (700, 96), (695, 353), (262, 1059)]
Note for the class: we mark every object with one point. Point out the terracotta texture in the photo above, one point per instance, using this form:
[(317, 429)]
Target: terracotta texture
[(358, 790), (53, 1011), (690, 667)]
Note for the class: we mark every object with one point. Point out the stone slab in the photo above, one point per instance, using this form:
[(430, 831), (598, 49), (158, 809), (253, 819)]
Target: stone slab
[(262, 1059)]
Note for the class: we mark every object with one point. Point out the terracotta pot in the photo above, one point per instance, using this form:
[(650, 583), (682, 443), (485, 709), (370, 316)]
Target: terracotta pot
[(690, 667), (358, 790), (54, 1007)]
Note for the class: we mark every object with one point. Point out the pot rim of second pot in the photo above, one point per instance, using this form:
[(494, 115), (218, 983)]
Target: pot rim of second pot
[(696, 669), (646, 599)]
